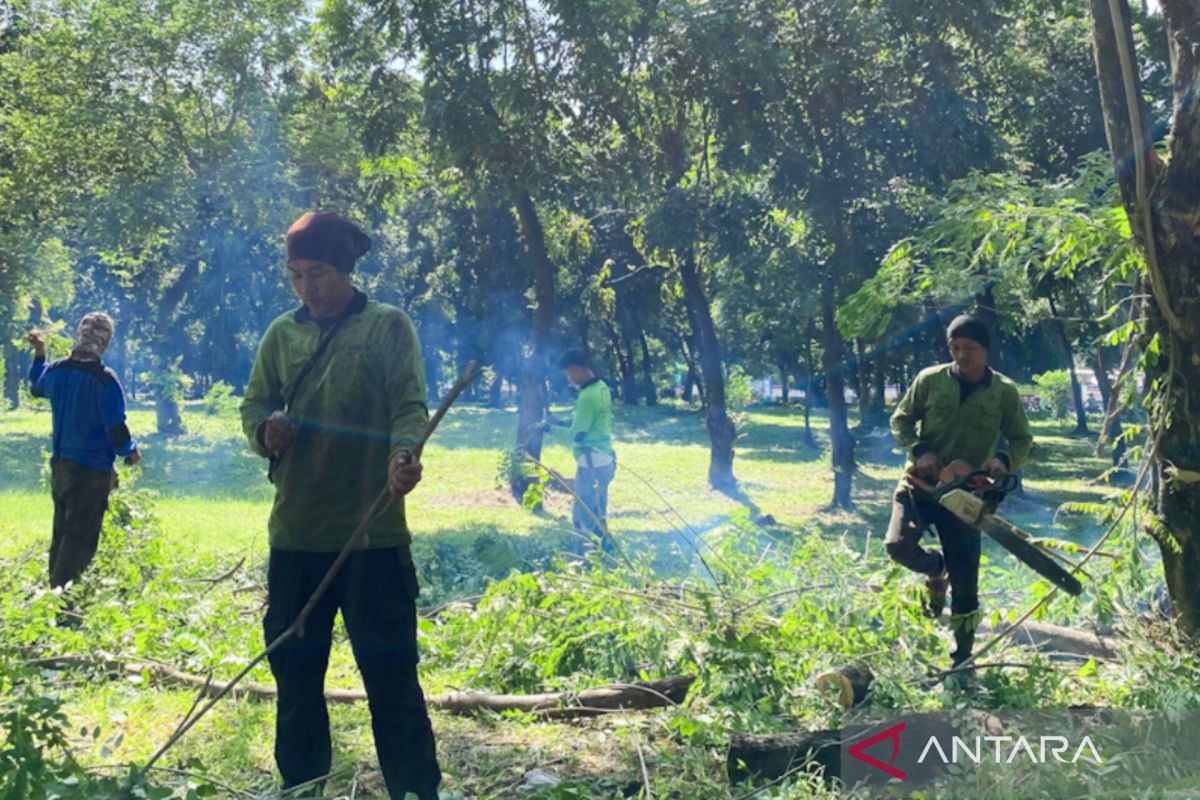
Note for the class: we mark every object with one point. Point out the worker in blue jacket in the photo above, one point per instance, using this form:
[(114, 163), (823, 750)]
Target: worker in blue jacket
[(89, 432)]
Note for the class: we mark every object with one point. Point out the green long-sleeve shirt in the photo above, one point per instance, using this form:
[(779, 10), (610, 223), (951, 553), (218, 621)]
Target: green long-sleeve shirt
[(933, 417), (362, 402)]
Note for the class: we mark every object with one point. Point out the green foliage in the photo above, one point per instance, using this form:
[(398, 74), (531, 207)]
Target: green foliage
[(37, 762), (34, 732), (785, 606), (168, 382), (737, 387), (512, 464), (1016, 236), (219, 400), (1054, 390), (153, 153)]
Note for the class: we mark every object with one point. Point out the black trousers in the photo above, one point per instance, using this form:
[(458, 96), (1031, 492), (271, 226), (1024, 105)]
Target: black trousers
[(376, 591), (80, 499), (959, 556)]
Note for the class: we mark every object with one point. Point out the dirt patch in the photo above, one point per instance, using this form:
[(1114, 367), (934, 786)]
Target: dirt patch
[(493, 498), (555, 500)]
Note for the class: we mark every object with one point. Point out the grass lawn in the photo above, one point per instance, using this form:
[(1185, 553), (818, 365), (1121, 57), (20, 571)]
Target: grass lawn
[(214, 496), (213, 503)]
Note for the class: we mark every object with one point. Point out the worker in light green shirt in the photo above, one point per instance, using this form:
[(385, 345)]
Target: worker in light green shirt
[(950, 422), (336, 400), (591, 442)]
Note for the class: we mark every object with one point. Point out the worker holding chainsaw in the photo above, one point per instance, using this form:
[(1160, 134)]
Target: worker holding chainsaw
[(336, 401), (949, 423)]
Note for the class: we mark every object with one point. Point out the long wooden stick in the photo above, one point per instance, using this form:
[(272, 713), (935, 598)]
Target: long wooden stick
[(297, 627), (613, 698)]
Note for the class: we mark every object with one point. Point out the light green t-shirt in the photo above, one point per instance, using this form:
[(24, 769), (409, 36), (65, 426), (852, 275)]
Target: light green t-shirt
[(592, 427)]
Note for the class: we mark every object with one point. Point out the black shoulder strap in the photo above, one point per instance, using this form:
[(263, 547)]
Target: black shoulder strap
[(307, 369)]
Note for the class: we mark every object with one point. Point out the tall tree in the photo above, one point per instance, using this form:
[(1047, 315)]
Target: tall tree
[(1163, 205), (492, 82), (148, 128), (859, 124)]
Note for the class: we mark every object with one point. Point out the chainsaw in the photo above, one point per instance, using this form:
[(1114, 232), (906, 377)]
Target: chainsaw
[(973, 497)]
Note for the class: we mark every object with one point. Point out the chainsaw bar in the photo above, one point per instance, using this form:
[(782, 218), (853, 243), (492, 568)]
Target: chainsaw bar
[(976, 512), (1016, 542)]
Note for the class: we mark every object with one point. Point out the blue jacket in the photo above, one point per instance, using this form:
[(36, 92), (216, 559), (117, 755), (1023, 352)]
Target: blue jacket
[(88, 411)]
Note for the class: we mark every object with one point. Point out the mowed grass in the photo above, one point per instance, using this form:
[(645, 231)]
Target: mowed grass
[(214, 496)]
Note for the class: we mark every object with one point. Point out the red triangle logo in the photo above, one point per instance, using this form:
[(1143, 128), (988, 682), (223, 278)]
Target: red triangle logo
[(892, 733)]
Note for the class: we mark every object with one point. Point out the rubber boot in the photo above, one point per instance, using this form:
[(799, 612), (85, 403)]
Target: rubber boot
[(963, 626)]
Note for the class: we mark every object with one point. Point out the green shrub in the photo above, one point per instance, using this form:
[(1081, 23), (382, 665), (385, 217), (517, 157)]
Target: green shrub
[(1054, 390), (219, 400), (737, 387)]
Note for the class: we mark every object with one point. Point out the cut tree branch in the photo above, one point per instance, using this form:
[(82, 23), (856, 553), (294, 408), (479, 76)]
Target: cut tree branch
[(550, 705)]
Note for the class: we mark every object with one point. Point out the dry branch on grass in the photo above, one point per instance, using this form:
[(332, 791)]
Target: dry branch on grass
[(551, 705)]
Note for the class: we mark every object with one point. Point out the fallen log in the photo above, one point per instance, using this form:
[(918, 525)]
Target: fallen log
[(564, 705), (551, 705), (771, 756), (1058, 639)]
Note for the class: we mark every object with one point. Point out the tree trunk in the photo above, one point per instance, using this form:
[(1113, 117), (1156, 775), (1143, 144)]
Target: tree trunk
[(939, 351), (433, 371), (1076, 391), (167, 417), (689, 380), (648, 391), (629, 381), (809, 441), (721, 431), (624, 349), (1100, 368), (1110, 430), (783, 382), (124, 369), (12, 375), (985, 309), (862, 383), (692, 379), (496, 391), (841, 442), (1173, 259), (879, 393), (531, 403)]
